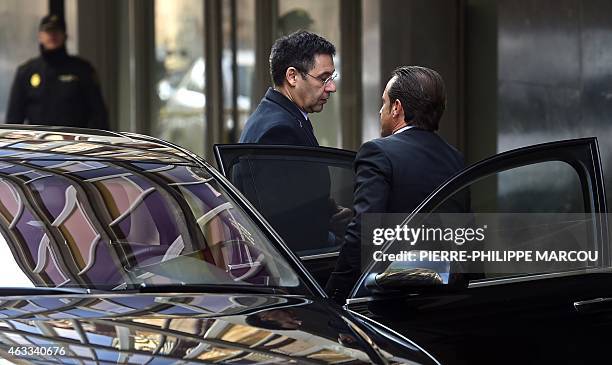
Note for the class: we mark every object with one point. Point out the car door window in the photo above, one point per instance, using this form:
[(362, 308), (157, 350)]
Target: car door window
[(545, 187), (297, 189), (525, 209)]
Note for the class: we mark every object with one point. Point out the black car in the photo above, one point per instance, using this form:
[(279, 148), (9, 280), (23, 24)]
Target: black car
[(123, 248)]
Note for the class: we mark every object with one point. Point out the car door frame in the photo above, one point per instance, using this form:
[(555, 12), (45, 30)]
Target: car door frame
[(224, 153)]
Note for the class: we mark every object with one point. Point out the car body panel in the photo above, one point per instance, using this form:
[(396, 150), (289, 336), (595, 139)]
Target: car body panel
[(193, 329)]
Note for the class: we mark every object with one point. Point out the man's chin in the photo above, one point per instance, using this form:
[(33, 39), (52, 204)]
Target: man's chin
[(52, 47), (316, 109)]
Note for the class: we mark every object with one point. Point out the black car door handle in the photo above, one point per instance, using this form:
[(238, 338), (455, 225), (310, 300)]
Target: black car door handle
[(594, 305)]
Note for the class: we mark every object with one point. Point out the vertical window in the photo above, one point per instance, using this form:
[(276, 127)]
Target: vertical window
[(178, 73), (72, 18), (372, 83), (245, 64), (321, 17)]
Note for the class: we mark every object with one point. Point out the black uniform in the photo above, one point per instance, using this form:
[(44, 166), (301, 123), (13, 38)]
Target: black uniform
[(57, 89)]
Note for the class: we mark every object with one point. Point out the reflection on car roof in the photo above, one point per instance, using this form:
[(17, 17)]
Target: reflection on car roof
[(54, 143)]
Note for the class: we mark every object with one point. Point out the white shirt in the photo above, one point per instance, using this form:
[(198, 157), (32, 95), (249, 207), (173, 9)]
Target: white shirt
[(403, 129), (304, 114)]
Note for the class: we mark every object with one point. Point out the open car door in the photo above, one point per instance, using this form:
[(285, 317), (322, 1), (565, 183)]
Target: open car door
[(509, 312), (298, 190)]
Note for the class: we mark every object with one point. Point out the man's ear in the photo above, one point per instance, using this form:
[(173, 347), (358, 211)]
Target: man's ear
[(291, 76), (397, 107)]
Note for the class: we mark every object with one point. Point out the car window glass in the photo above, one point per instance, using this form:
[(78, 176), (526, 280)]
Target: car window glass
[(546, 187), (298, 195), (117, 225), (538, 207), (195, 80)]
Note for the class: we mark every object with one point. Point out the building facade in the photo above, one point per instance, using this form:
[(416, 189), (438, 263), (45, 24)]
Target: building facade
[(191, 71)]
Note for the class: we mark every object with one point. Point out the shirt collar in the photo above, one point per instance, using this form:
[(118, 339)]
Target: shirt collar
[(403, 129), (304, 114)]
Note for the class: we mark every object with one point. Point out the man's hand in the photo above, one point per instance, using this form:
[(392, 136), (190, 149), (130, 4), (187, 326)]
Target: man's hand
[(339, 221)]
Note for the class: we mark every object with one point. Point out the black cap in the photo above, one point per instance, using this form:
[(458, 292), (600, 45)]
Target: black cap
[(52, 22)]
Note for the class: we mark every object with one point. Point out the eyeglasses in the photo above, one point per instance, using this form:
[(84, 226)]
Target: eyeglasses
[(327, 80)]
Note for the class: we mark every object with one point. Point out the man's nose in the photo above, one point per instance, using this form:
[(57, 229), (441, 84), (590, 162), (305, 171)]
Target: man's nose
[(331, 86)]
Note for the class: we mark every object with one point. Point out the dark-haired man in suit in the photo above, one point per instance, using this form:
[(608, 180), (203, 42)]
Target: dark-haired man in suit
[(398, 171), (303, 72)]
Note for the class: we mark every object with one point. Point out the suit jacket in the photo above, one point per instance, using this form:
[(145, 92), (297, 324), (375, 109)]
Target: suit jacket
[(392, 175), (293, 195), (277, 120)]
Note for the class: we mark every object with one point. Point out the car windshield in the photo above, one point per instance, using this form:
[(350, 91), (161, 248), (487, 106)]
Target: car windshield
[(119, 225)]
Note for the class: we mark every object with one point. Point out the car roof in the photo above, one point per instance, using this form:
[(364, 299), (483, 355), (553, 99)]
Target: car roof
[(64, 143)]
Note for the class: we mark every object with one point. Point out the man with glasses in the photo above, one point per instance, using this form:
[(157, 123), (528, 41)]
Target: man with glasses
[(303, 73)]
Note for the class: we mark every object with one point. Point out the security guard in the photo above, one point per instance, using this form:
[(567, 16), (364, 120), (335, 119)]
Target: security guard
[(56, 88)]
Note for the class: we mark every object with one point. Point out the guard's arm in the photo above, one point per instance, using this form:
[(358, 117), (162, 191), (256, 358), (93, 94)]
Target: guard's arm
[(98, 115), (17, 100)]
